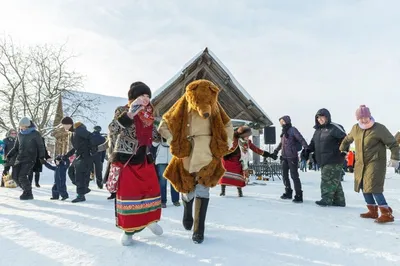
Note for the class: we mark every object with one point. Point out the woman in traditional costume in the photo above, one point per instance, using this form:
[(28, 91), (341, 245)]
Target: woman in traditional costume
[(236, 162), (132, 172)]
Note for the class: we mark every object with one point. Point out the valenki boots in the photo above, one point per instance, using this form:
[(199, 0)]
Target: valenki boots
[(372, 212), (386, 215), (200, 212), (223, 187), (187, 220)]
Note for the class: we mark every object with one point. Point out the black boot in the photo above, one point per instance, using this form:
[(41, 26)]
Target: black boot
[(99, 184), (240, 192), (288, 194), (187, 220), (79, 198), (26, 195), (222, 190), (37, 184), (199, 219), (298, 198), (112, 196)]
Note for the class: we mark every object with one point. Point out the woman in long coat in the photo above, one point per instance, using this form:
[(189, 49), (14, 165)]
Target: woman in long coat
[(371, 139), (138, 201), (236, 162)]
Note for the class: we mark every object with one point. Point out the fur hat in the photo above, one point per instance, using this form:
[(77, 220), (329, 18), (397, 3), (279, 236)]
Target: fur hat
[(137, 89), (244, 131), (25, 122), (67, 121), (363, 112), (97, 128)]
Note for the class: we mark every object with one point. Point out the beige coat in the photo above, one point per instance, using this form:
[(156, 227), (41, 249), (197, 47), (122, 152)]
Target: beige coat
[(200, 136)]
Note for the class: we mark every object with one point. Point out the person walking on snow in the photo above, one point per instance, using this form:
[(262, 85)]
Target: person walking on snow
[(236, 162), (98, 157), (291, 143), (371, 139), (8, 143), (163, 157), (60, 174), (28, 147), (325, 143), (83, 148), (138, 201)]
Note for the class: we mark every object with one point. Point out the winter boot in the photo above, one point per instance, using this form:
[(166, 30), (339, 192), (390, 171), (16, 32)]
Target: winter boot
[(64, 198), (26, 195), (177, 204), (223, 187), (298, 198), (163, 205), (99, 184), (288, 194), (112, 196), (199, 219), (386, 215), (187, 214), (37, 184), (372, 212), (155, 228), (240, 192), (79, 198), (126, 239), (53, 198)]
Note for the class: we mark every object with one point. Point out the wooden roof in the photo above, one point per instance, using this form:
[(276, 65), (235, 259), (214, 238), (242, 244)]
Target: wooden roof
[(233, 97)]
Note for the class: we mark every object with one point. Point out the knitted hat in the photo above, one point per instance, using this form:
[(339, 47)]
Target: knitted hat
[(67, 121), (25, 122), (363, 112), (97, 128), (137, 89), (286, 118)]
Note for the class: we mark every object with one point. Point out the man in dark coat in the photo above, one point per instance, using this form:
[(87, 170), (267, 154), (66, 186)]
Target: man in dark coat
[(9, 143), (83, 148), (98, 157), (28, 147), (325, 143), (38, 167), (291, 140)]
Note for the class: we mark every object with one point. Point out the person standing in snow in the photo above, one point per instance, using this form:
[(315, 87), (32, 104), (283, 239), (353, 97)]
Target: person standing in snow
[(236, 162), (371, 139), (163, 157), (325, 143), (8, 143), (138, 201), (60, 174), (98, 157), (291, 143), (83, 148), (38, 167), (28, 147)]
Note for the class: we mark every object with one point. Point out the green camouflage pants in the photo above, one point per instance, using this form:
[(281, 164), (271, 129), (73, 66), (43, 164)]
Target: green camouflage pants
[(331, 186)]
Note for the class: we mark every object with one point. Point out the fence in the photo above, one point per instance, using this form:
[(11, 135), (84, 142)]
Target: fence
[(270, 169)]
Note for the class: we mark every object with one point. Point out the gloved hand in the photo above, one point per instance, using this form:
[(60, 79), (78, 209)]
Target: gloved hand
[(266, 154), (64, 158), (42, 160), (274, 155), (343, 153), (393, 163)]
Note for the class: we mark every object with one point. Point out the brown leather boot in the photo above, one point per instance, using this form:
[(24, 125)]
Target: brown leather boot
[(372, 212), (386, 215)]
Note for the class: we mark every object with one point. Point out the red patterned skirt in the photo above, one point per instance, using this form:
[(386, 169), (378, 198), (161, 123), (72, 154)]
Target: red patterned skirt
[(233, 175), (138, 201)]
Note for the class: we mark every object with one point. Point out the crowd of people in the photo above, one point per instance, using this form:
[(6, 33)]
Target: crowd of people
[(195, 147)]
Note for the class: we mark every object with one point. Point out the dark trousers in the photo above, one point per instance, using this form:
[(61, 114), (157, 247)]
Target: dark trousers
[(37, 177), (21, 174), (82, 167), (59, 188), (98, 168), (291, 164), (163, 185)]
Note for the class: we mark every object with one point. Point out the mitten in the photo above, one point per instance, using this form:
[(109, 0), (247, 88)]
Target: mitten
[(393, 163)]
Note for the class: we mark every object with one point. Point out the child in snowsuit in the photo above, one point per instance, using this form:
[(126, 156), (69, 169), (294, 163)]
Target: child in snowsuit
[(60, 173)]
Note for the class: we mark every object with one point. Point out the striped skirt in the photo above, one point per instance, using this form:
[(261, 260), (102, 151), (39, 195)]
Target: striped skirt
[(233, 175), (138, 201)]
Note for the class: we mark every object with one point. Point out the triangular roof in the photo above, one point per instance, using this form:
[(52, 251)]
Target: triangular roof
[(236, 101)]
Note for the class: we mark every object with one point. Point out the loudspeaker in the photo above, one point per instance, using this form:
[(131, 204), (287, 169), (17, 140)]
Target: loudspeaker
[(269, 135)]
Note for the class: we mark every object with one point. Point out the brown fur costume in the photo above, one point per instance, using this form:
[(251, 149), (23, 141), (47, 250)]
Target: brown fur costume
[(202, 96)]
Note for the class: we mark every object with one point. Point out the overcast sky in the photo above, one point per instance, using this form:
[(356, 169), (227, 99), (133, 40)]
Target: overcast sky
[(292, 56)]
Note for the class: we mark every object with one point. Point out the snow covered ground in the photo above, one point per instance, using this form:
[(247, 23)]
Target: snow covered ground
[(259, 229)]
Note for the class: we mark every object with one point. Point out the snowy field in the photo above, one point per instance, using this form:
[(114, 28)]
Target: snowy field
[(258, 229)]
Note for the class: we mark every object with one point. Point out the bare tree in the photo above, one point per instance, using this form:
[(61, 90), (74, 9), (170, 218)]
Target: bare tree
[(31, 82)]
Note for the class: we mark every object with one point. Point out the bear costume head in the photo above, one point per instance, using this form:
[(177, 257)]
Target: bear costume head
[(201, 96)]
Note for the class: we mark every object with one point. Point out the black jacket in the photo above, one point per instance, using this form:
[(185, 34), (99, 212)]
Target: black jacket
[(98, 139), (82, 143), (326, 141), (28, 147), (8, 145)]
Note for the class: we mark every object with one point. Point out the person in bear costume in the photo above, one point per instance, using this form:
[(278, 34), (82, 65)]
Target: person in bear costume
[(199, 133)]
